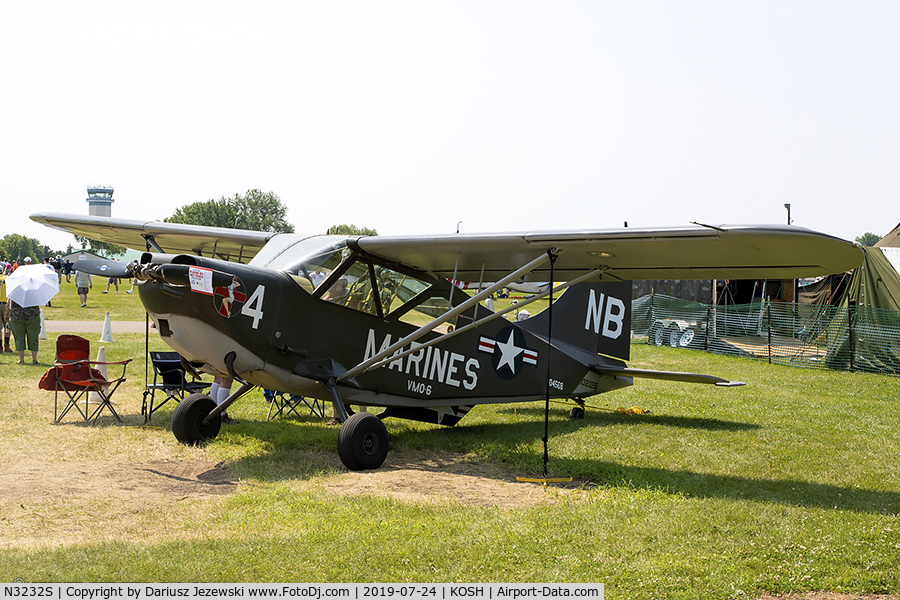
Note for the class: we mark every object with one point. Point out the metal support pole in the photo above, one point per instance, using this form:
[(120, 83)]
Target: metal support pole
[(850, 312), (706, 333)]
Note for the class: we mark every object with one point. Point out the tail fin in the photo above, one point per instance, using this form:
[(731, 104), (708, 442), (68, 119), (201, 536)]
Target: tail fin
[(595, 317)]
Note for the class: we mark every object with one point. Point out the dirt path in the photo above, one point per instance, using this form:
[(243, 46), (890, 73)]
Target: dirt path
[(59, 501)]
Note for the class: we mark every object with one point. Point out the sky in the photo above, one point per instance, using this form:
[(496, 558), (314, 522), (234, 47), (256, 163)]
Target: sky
[(428, 116)]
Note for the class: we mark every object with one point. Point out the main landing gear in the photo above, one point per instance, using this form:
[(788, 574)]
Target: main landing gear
[(362, 440), (189, 416)]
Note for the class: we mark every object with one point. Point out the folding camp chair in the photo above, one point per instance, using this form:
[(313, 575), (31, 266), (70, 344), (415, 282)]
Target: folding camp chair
[(170, 377), (77, 376), (281, 403), (71, 348)]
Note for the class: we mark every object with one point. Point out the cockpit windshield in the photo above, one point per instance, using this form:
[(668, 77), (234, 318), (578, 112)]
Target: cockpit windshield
[(309, 260)]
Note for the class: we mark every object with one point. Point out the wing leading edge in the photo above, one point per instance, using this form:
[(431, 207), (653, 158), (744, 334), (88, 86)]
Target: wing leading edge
[(171, 238)]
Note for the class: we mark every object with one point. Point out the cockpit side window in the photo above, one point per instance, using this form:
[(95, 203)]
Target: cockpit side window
[(396, 289), (386, 292), (354, 289)]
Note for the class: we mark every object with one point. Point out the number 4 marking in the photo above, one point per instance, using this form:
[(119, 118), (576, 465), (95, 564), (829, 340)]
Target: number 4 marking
[(253, 306)]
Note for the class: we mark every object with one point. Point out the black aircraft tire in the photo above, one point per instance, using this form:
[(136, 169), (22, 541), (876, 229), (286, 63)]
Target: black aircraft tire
[(363, 442), (576, 413), (187, 420)]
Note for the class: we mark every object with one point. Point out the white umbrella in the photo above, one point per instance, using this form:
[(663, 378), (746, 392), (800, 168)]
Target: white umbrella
[(32, 285)]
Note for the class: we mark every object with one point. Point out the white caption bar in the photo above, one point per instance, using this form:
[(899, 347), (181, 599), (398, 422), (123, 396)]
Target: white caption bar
[(350, 591)]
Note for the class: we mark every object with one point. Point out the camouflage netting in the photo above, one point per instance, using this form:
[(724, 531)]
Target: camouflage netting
[(805, 335)]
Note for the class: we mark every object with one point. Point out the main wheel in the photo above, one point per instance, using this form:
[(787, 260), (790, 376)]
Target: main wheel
[(363, 442), (187, 419)]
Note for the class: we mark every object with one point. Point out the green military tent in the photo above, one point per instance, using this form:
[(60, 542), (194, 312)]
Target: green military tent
[(864, 334)]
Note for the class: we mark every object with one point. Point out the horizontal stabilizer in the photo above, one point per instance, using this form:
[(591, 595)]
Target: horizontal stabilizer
[(665, 375)]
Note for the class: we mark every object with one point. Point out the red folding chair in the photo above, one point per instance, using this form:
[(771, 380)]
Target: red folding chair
[(77, 376), (70, 348)]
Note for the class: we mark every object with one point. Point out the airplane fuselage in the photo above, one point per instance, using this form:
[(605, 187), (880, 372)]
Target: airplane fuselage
[(286, 338)]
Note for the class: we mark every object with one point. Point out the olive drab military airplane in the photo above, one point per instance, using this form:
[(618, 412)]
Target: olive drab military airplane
[(375, 321)]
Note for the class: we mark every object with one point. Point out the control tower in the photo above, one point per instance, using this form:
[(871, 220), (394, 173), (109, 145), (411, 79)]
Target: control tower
[(100, 200)]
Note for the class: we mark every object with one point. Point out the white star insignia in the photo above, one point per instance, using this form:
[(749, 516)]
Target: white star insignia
[(508, 353)]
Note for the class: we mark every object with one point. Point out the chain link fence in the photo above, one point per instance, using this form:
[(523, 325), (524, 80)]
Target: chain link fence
[(801, 335)]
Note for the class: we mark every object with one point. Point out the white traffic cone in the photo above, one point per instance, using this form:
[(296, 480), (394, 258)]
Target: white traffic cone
[(106, 336), (43, 334), (94, 397)]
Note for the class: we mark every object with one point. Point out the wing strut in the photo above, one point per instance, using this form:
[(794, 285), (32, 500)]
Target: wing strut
[(152, 243), (444, 337), (368, 364)]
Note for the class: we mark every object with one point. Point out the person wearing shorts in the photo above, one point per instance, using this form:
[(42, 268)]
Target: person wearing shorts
[(83, 285)]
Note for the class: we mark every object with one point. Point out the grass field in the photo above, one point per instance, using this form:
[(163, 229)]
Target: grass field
[(789, 484)]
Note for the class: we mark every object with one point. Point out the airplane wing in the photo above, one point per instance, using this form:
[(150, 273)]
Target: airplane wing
[(696, 252), (169, 238)]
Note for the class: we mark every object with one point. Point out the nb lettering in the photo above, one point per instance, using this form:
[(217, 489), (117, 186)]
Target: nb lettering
[(607, 312)]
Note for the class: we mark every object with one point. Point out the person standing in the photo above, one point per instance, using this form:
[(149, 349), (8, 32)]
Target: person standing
[(25, 323), (52, 269), (219, 392), (4, 320), (83, 285)]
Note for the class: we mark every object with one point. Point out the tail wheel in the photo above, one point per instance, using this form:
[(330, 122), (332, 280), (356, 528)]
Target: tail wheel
[(363, 442), (576, 413), (188, 416)]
